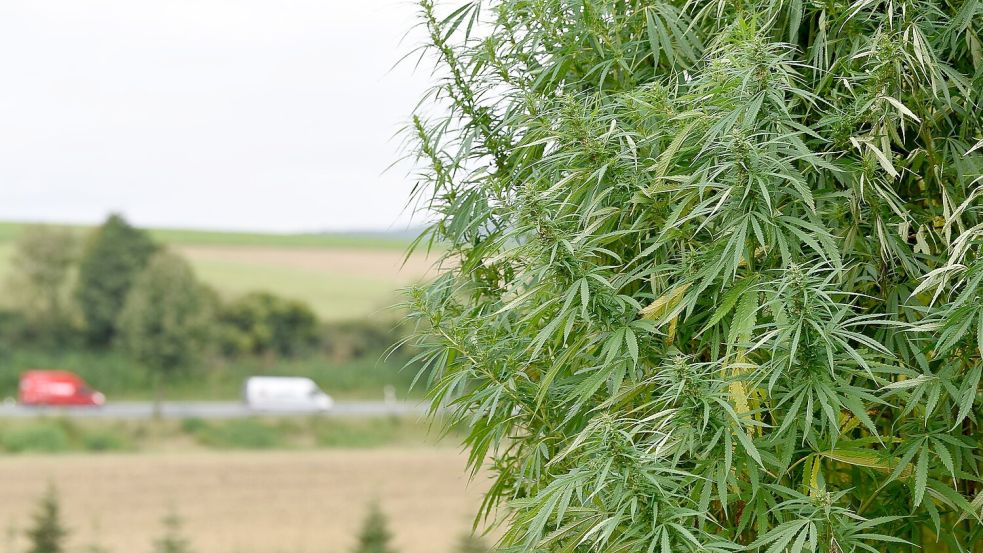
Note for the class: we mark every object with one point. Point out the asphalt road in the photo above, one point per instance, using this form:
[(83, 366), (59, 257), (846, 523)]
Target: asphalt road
[(210, 410)]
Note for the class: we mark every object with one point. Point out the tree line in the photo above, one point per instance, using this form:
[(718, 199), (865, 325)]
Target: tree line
[(118, 288)]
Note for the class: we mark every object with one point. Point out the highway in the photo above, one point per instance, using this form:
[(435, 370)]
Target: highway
[(210, 410)]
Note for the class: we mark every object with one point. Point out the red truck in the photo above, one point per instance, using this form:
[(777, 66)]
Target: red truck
[(39, 387)]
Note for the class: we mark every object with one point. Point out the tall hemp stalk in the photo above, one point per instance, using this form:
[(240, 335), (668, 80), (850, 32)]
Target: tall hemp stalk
[(714, 275)]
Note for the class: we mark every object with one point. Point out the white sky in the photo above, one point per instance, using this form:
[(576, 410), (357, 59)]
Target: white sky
[(229, 114)]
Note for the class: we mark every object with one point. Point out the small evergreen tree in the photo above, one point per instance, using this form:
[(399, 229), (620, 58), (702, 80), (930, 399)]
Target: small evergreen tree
[(112, 259), (173, 539), (375, 535), (47, 533)]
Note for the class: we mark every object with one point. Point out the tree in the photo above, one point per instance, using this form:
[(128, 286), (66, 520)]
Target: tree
[(374, 536), (173, 539), (166, 321), (714, 270), (40, 268), (114, 255), (47, 533)]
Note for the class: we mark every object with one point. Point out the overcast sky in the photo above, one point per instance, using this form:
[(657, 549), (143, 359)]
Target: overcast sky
[(228, 114)]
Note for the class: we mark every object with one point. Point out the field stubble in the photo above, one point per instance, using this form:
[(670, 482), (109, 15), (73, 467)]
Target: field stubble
[(249, 502)]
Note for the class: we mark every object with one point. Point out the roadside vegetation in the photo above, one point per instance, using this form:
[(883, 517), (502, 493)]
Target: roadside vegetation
[(66, 435), (129, 314), (721, 270)]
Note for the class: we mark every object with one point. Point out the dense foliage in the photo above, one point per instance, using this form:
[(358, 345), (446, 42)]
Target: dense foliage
[(167, 316), (262, 323), (715, 277), (40, 269), (113, 257)]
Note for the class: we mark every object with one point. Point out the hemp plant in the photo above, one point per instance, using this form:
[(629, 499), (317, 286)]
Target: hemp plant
[(714, 277)]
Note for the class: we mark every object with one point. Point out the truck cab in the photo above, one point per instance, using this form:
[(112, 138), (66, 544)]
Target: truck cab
[(47, 387)]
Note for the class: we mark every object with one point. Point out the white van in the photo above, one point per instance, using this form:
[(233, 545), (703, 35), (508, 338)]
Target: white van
[(284, 393)]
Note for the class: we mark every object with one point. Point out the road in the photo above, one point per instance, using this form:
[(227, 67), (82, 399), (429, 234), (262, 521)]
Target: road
[(209, 410)]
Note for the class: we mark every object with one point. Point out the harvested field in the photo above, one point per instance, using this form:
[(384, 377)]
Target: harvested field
[(378, 264), (248, 502)]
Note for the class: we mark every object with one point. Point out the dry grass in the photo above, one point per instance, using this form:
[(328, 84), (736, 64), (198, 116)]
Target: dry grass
[(248, 502)]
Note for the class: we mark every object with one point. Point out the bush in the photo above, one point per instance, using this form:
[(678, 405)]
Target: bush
[(173, 539), (41, 437), (47, 533), (103, 440), (348, 340), (262, 323), (374, 536), (715, 270), (193, 425)]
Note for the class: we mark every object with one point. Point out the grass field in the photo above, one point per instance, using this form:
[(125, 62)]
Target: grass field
[(342, 276), (9, 231), (247, 502), (65, 434)]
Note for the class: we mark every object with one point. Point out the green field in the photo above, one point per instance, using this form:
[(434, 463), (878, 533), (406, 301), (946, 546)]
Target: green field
[(341, 276), (58, 434)]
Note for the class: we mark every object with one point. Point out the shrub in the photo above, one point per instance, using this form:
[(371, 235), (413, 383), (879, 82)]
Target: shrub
[(374, 536), (173, 539), (193, 425), (47, 533), (715, 271), (103, 440), (348, 340), (262, 323), (42, 437)]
